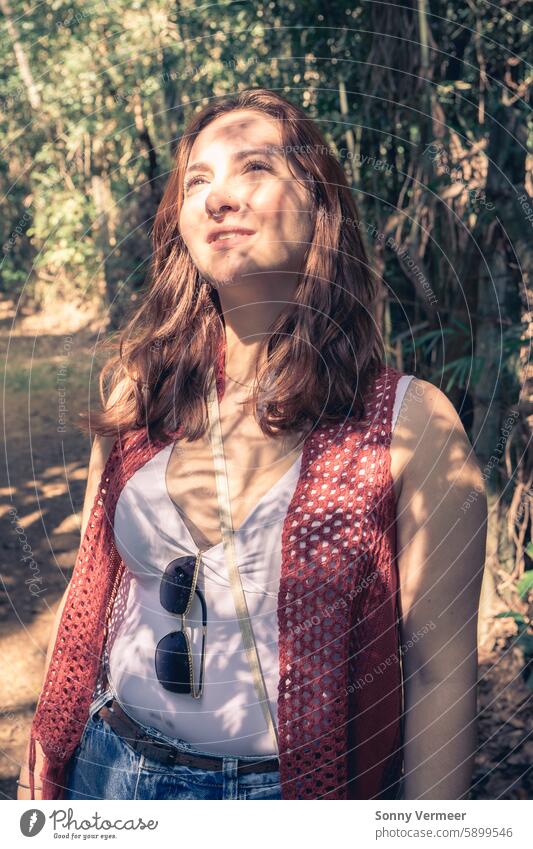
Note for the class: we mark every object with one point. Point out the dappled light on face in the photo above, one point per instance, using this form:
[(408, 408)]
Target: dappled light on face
[(239, 177)]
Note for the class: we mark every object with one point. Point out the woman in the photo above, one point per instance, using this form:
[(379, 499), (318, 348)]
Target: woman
[(345, 477)]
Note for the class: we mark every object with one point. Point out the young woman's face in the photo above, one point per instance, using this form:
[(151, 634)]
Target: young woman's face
[(236, 180)]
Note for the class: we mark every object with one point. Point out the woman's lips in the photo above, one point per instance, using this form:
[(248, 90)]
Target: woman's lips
[(234, 239)]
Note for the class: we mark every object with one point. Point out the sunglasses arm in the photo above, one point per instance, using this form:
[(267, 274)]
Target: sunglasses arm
[(196, 694)]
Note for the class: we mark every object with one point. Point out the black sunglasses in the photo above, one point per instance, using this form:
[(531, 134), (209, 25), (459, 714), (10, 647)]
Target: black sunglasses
[(173, 655)]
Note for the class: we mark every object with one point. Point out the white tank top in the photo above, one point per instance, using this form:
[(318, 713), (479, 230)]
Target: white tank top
[(149, 534)]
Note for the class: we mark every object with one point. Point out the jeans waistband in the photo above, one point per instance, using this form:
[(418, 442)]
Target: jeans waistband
[(176, 742)]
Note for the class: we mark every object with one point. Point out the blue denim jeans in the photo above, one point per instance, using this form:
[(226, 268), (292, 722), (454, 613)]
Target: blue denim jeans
[(104, 766)]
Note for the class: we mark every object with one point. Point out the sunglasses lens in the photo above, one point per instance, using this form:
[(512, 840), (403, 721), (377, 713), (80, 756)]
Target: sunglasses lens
[(176, 584), (172, 663)]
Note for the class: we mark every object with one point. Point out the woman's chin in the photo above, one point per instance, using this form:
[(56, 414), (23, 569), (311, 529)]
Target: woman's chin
[(223, 279)]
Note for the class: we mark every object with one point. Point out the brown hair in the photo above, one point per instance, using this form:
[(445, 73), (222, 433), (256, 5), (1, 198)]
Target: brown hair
[(322, 350)]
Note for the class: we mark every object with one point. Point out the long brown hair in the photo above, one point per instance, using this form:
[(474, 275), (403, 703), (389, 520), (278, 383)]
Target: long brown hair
[(322, 350)]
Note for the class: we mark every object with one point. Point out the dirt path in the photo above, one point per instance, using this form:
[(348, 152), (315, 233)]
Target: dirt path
[(44, 469), (43, 480)]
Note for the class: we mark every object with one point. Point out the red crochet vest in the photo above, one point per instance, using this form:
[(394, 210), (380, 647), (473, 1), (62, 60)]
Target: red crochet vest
[(340, 703)]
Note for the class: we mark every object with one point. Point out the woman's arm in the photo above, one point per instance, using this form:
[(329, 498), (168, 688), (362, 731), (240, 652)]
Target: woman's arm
[(99, 453), (441, 555)]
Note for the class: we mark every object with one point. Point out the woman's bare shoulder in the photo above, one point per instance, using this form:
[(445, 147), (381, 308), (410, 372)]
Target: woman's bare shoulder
[(429, 435), (100, 451), (429, 405)]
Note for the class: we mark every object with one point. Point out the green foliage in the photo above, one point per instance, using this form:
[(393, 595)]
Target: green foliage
[(524, 623), (114, 83), (525, 585)]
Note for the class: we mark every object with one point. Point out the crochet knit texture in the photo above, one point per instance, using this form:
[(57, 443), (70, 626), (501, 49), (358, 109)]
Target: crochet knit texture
[(340, 688)]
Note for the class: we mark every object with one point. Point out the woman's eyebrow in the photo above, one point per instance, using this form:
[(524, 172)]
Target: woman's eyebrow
[(266, 150)]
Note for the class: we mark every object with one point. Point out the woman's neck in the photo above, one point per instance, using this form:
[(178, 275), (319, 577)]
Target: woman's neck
[(249, 317), (242, 358)]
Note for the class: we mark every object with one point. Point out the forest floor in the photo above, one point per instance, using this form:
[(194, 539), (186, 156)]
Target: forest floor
[(50, 366)]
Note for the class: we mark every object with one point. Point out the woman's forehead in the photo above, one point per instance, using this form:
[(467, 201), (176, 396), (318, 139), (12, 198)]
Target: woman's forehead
[(240, 128)]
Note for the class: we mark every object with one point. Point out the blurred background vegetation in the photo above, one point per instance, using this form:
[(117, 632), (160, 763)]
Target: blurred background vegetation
[(428, 105)]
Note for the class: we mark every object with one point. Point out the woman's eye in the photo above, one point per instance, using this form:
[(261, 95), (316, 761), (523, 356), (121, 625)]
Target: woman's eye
[(258, 163), (252, 163), (190, 183)]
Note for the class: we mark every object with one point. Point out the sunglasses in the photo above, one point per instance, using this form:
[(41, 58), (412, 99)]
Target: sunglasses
[(173, 655)]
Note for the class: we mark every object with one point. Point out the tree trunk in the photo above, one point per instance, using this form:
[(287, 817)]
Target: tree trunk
[(22, 60), (499, 244), (104, 226)]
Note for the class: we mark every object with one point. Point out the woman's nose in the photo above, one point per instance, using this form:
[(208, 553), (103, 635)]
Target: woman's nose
[(219, 201)]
